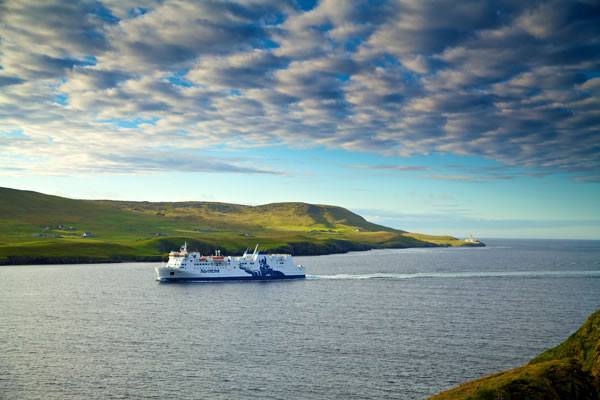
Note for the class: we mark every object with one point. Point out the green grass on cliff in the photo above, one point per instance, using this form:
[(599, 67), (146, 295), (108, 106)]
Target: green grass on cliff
[(125, 230), (570, 370)]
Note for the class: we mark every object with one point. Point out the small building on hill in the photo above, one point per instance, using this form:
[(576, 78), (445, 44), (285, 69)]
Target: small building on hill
[(471, 239)]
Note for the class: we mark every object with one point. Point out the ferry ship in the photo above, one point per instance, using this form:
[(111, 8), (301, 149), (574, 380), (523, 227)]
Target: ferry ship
[(256, 265)]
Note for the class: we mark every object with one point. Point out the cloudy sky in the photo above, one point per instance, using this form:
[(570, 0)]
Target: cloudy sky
[(439, 117)]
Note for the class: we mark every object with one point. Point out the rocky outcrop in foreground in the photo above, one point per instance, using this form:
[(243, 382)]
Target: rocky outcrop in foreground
[(570, 370)]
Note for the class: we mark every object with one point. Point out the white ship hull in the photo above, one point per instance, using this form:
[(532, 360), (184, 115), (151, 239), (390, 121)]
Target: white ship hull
[(184, 266)]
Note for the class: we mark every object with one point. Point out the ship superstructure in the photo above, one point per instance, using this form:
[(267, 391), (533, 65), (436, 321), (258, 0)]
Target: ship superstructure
[(256, 265)]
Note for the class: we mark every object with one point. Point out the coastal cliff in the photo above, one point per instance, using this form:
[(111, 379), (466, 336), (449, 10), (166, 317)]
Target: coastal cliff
[(570, 370)]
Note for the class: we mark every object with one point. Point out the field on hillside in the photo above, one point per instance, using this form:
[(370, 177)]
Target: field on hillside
[(38, 228)]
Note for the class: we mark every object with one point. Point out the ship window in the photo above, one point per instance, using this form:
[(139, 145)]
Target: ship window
[(172, 273)]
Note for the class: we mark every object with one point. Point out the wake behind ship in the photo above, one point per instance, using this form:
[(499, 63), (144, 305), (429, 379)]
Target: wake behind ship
[(193, 266)]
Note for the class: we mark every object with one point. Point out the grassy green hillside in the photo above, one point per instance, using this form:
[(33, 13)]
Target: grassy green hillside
[(569, 371), (38, 228)]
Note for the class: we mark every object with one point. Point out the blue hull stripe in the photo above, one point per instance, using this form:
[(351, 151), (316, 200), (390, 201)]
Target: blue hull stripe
[(232, 278)]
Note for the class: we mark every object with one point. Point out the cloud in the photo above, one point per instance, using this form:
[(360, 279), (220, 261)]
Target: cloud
[(514, 82), (391, 167), (90, 79), (461, 225), (587, 178), (176, 34), (147, 161), (96, 159), (252, 69), (43, 40), (469, 178), (10, 80)]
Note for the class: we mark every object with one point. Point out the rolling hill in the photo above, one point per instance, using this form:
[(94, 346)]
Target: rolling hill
[(40, 228)]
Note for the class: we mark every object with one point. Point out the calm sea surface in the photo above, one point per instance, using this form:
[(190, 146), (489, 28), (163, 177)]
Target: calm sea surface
[(398, 324)]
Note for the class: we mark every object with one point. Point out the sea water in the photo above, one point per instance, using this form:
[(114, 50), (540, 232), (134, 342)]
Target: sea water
[(398, 324)]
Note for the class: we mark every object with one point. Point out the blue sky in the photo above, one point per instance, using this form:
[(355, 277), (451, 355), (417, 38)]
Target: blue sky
[(475, 118)]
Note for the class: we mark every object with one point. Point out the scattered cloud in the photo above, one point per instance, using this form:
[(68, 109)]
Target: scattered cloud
[(391, 167), (588, 178), (470, 178), (10, 80), (142, 161), (515, 82), (462, 224)]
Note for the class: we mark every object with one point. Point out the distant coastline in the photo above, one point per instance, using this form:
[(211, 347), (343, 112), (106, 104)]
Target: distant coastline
[(296, 249), (45, 229)]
